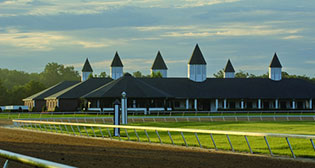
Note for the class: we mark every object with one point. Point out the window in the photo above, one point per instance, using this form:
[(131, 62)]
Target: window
[(177, 104), (249, 105)]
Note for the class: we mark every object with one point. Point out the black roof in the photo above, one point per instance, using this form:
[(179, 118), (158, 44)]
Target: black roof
[(229, 67), (253, 88), (116, 61), (159, 62), (197, 57), (275, 63), (80, 89), (87, 67), (52, 90), (134, 87)]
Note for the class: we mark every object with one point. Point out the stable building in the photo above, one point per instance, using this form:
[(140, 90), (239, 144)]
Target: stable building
[(195, 92)]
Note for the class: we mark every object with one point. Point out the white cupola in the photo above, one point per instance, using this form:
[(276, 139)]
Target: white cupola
[(275, 69), (197, 66), (116, 68), (229, 71), (159, 65), (86, 70)]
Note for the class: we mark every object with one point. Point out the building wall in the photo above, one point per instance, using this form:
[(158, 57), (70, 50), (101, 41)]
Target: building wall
[(197, 73), (85, 75), (69, 104), (275, 73), (116, 72)]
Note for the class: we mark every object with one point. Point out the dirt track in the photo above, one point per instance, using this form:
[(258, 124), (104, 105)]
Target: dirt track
[(83, 152)]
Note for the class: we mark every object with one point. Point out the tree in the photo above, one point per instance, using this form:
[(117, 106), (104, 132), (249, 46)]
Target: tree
[(55, 73), (103, 75), (156, 74), (137, 74), (219, 74), (241, 74), (3, 94)]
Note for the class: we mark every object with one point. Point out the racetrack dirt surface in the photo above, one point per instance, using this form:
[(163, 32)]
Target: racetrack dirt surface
[(84, 152)]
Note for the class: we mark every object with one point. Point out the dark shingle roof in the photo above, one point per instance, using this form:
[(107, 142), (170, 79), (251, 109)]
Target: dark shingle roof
[(87, 67), (253, 88), (116, 61), (197, 57), (52, 90), (134, 87), (80, 89), (275, 63), (159, 62), (229, 67)]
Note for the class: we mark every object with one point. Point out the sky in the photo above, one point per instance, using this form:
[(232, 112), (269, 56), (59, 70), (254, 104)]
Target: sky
[(249, 32)]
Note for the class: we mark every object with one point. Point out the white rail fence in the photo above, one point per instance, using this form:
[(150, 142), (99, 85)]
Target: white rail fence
[(100, 119), (29, 160), (79, 129)]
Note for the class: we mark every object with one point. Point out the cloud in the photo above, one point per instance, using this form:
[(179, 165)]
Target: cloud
[(310, 62), (292, 37), (31, 40), (199, 3)]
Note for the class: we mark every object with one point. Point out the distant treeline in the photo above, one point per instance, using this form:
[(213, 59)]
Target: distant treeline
[(16, 85)]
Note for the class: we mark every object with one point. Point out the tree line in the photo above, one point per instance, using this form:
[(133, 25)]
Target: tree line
[(17, 85)]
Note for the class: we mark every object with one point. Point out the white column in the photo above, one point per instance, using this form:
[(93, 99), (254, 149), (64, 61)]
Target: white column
[(116, 120), (224, 104), (276, 104), (293, 104), (311, 104), (134, 103), (98, 103), (216, 104), (187, 103), (195, 104), (242, 104), (259, 103)]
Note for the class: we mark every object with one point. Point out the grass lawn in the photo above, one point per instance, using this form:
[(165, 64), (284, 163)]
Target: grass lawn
[(279, 146)]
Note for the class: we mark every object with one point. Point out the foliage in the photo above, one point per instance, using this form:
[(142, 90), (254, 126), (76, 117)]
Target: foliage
[(17, 85), (103, 75), (157, 74), (138, 74), (243, 74), (90, 76)]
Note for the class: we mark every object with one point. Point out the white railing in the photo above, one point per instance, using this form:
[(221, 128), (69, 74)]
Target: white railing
[(29, 160), (39, 124)]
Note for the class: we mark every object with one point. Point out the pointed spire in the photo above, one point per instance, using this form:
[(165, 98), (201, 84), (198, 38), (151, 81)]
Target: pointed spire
[(159, 62), (275, 63), (87, 67), (116, 61), (229, 67), (197, 57)]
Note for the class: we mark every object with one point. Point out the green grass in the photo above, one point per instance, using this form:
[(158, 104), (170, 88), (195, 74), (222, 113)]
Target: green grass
[(279, 146)]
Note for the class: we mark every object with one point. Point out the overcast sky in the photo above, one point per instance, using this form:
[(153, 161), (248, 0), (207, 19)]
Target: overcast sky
[(36, 32)]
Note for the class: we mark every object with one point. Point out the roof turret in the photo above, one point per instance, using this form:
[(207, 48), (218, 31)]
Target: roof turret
[(159, 62), (197, 57), (116, 61), (275, 63), (229, 67), (87, 67)]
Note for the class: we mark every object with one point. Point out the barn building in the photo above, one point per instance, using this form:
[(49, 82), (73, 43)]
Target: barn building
[(196, 92)]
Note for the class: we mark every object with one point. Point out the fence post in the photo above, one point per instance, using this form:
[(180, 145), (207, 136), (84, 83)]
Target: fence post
[(184, 139), (127, 134), (137, 135), (293, 155), (157, 133), (250, 149), (312, 143), (198, 140), (169, 134), (230, 143), (101, 132), (146, 133), (110, 135), (268, 146), (215, 146)]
